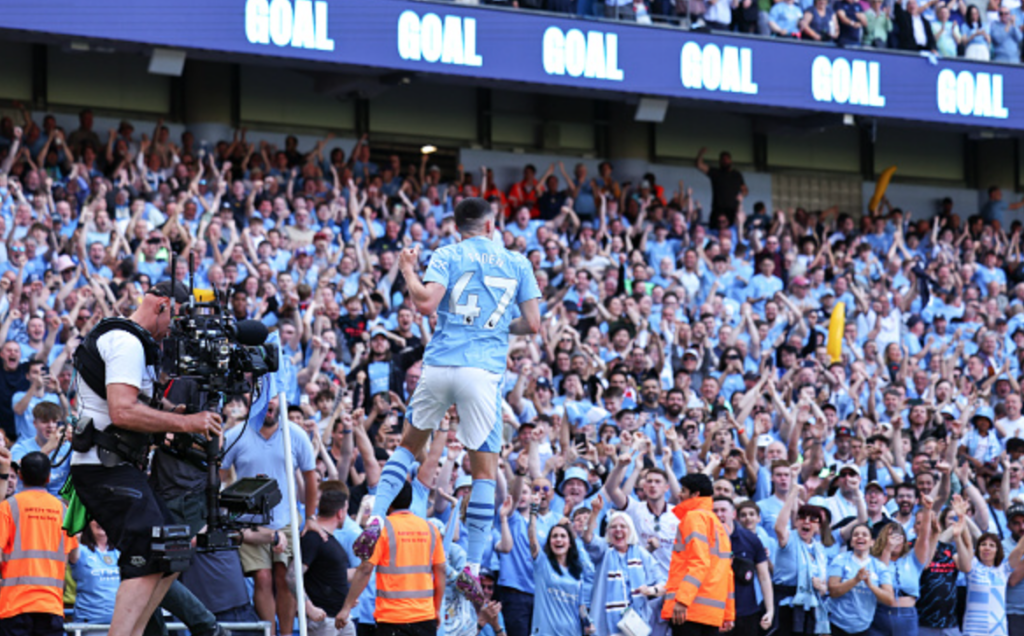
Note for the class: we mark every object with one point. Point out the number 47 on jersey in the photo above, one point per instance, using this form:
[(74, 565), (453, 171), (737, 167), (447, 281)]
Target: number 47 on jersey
[(470, 309)]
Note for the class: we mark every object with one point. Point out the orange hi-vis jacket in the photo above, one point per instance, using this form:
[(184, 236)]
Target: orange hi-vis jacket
[(700, 573), (405, 556), (34, 550)]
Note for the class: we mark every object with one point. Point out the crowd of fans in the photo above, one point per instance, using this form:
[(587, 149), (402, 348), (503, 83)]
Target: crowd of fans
[(970, 29), (877, 488)]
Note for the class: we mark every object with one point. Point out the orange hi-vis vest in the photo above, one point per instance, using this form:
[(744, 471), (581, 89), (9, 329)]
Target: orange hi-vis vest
[(405, 556), (34, 550), (700, 573)]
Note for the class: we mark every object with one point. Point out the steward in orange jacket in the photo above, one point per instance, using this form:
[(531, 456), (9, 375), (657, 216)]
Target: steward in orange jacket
[(699, 592), (410, 564), (35, 550)]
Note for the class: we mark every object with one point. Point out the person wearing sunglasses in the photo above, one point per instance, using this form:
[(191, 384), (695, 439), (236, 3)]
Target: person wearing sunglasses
[(1006, 37), (800, 582), (544, 493)]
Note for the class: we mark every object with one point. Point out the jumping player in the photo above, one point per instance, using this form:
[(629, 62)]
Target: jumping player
[(472, 286)]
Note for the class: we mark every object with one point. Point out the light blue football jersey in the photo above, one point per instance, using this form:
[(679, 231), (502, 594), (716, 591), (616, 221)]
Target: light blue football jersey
[(485, 284)]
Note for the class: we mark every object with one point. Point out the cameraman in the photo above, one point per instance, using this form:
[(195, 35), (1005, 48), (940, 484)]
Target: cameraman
[(107, 476)]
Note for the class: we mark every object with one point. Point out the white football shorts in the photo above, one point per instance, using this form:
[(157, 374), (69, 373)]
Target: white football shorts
[(476, 394)]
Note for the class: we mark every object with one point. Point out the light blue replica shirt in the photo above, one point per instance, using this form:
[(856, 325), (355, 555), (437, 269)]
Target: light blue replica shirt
[(770, 509), (346, 536), (764, 488), (25, 423), (58, 474), (516, 566), (482, 280), (855, 610), (762, 288), (985, 275), (906, 575), (1014, 593), (97, 577), (556, 602), (787, 559), (254, 455)]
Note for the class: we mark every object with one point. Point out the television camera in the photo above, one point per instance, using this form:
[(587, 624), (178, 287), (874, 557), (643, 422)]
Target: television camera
[(219, 359)]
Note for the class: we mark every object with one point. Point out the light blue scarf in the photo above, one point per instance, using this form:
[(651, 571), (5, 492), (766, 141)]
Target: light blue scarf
[(807, 598), (619, 577)]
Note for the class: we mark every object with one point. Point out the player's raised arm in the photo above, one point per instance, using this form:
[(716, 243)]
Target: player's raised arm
[(529, 323), (425, 297)]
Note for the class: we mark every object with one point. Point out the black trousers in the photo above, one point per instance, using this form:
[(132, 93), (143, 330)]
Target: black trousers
[(785, 622), (423, 628), (690, 628), (366, 629), (747, 625), (32, 624), (121, 500)]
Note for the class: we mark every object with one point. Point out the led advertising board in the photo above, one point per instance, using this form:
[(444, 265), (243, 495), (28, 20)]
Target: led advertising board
[(564, 51)]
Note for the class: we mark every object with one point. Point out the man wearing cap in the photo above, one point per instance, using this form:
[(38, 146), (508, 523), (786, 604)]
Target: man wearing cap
[(691, 364), (872, 502), (1015, 584), (800, 289), (65, 267), (844, 447), (149, 265), (979, 444), (303, 269), (843, 504), (117, 371), (574, 489)]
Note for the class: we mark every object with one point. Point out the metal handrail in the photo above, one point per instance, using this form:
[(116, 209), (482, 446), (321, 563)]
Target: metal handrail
[(85, 628)]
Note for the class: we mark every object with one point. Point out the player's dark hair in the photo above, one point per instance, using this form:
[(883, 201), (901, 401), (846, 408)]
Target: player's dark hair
[(471, 213)]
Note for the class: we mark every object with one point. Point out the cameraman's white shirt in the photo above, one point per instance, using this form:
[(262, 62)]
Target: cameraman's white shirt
[(126, 364)]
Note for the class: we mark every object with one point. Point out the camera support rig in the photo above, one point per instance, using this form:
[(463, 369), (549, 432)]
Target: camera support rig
[(223, 359)]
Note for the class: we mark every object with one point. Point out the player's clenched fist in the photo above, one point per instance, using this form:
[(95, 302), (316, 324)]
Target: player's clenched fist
[(409, 258)]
